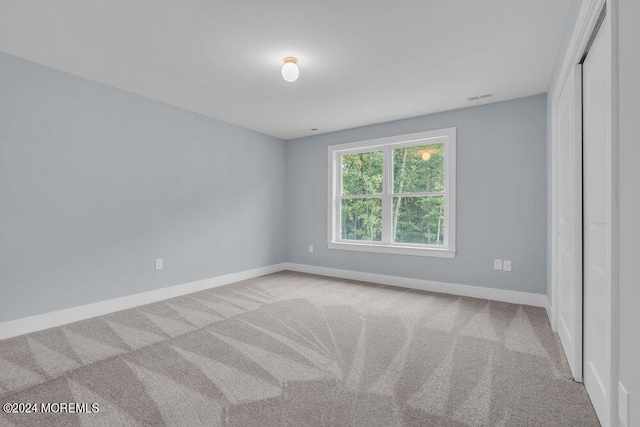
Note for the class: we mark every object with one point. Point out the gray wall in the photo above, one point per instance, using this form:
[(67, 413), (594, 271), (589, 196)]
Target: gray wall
[(629, 226), (572, 17), (501, 196), (95, 183)]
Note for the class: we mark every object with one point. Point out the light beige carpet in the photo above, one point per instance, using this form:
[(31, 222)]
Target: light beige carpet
[(297, 349)]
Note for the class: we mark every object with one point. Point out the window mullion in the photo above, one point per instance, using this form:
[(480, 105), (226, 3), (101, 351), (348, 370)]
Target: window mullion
[(426, 194), (387, 177), (337, 215)]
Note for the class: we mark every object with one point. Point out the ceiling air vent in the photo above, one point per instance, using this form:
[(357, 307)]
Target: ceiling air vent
[(481, 97)]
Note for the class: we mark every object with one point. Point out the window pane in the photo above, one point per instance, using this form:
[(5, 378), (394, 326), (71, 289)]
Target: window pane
[(362, 173), (418, 220), (418, 169), (361, 219)]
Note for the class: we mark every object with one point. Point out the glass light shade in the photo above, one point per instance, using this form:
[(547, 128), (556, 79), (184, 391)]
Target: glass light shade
[(290, 72)]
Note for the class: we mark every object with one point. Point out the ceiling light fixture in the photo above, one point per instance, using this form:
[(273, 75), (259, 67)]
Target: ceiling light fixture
[(425, 154), (290, 70)]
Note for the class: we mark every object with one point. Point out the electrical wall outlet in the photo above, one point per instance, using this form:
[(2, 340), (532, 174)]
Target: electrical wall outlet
[(497, 264), (310, 248), (506, 265), (623, 405), (159, 264)]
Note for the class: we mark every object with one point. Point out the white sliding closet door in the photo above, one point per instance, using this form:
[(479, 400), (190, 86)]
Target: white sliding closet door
[(597, 214)]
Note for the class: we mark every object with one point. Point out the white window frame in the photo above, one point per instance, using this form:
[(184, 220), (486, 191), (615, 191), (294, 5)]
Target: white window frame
[(334, 241)]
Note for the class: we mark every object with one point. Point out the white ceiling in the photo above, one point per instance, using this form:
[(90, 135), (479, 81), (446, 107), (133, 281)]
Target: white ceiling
[(361, 61)]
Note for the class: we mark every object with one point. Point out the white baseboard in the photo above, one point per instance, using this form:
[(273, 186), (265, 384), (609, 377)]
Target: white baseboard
[(549, 309), (56, 318), (39, 322), (515, 297)]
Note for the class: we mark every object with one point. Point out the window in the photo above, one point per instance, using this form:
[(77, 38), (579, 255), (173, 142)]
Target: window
[(394, 195)]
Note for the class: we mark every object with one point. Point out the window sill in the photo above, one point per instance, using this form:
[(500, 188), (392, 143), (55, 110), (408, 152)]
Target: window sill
[(393, 249)]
